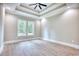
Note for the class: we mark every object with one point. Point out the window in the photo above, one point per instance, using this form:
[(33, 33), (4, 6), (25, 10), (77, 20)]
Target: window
[(30, 28), (25, 27), (21, 28)]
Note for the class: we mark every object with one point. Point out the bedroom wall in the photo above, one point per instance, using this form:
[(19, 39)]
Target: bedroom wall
[(1, 27), (63, 27), (11, 27)]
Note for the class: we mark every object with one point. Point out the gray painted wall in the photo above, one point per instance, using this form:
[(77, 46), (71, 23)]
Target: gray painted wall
[(11, 27), (0, 25), (63, 27)]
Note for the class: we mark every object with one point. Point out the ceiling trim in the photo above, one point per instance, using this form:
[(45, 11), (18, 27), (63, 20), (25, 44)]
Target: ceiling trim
[(55, 12), (22, 14), (53, 8), (26, 10), (23, 5), (26, 7), (47, 7)]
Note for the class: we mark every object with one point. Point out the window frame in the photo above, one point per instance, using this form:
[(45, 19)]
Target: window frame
[(33, 28), (21, 34), (27, 32)]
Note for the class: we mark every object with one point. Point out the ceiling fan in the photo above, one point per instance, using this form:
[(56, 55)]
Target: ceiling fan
[(38, 5)]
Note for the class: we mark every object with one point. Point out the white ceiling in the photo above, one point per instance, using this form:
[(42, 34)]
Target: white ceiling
[(26, 9)]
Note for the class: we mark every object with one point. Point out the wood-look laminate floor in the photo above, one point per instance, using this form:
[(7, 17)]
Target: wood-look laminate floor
[(38, 48)]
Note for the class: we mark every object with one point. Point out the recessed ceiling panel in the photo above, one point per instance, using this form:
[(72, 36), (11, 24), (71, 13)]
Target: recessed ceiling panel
[(36, 7)]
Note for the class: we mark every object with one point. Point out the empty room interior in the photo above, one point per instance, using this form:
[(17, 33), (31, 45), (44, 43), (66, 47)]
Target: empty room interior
[(39, 29)]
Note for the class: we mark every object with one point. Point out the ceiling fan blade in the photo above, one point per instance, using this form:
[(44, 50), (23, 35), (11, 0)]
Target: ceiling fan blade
[(40, 7), (43, 4), (35, 7)]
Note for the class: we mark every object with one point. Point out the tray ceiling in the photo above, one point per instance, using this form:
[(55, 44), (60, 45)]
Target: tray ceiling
[(37, 8), (27, 9), (13, 6)]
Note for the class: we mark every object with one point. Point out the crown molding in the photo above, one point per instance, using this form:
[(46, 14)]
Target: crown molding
[(55, 12), (25, 6), (26, 10), (52, 8), (18, 13)]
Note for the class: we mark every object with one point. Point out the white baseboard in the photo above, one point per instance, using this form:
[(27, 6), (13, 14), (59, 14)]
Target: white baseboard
[(15, 41), (64, 43), (50, 40), (1, 49)]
